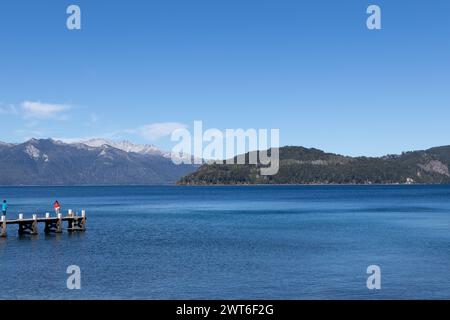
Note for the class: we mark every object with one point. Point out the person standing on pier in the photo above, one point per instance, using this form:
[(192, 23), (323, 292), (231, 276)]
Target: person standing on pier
[(57, 207), (4, 207)]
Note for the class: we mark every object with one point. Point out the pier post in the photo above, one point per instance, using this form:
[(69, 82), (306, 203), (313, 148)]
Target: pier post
[(59, 224), (21, 230), (83, 220), (34, 225), (70, 222), (48, 224), (3, 227)]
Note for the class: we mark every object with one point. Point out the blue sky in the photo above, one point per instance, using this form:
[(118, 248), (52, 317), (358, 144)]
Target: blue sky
[(138, 69)]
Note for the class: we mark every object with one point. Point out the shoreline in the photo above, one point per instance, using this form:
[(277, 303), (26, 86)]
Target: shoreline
[(314, 184), (228, 185)]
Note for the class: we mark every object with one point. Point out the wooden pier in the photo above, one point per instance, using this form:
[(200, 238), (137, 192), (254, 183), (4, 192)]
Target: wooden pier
[(52, 224)]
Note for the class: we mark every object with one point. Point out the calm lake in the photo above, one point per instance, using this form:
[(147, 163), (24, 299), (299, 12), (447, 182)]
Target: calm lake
[(258, 242)]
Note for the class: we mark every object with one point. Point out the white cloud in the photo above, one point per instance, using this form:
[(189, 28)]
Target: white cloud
[(26, 134), (92, 121), (42, 111), (8, 109), (93, 118), (76, 140), (151, 132), (156, 131)]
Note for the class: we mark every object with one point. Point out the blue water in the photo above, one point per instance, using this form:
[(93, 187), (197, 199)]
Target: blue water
[(262, 242)]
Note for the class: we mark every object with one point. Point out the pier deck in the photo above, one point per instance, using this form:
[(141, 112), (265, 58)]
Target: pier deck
[(52, 224)]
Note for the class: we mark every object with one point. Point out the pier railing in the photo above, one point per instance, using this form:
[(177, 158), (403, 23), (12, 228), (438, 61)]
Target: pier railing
[(53, 224)]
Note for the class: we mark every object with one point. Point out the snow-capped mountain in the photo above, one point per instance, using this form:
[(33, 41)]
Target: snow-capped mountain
[(126, 146), (5, 144), (52, 162)]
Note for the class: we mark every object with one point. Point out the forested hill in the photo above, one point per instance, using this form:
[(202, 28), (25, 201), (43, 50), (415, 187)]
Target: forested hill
[(300, 165)]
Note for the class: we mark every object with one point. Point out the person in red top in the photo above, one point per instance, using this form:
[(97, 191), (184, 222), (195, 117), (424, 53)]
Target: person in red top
[(57, 207)]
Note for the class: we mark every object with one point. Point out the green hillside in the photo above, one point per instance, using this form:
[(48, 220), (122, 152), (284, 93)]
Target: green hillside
[(300, 165)]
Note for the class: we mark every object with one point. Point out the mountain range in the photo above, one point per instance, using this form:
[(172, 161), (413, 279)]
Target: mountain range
[(51, 162), (95, 162), (300, 165)]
